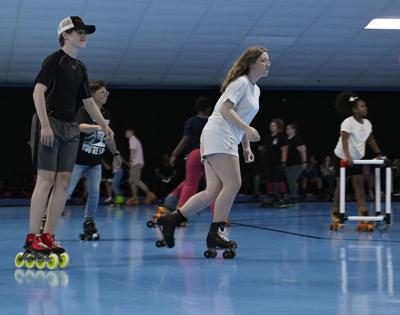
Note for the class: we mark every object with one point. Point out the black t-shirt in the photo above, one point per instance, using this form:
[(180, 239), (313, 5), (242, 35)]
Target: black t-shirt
[(67, 82), (294, 157), (273, 145), (193, 128), (92, 145)]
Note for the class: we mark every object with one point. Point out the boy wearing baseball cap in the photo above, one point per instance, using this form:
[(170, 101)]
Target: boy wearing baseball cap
[(61, 81)]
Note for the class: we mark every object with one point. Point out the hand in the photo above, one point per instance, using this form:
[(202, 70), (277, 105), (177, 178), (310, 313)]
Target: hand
[(252, 134), (47, 136), (248, 156), (379, 157), (172, 160), (109, 134), (304, 166), (349, 162), (117, 162)]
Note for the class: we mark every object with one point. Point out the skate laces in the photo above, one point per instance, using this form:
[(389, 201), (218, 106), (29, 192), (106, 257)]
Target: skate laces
[(42, 245), (223, 234), (51, 241), (38, 242)]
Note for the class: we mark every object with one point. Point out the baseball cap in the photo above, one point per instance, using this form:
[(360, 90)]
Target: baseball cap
[(74, 22)]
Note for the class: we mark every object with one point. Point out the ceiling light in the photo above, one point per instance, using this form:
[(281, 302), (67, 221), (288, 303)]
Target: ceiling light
[(384, 24)]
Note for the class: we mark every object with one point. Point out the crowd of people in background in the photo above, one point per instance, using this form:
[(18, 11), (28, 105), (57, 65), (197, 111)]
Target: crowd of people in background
[(303, 177)]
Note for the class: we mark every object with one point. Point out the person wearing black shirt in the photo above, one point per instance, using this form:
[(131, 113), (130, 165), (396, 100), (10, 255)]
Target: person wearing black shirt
[(61, 81), (92, 146), (165, 175), (296, 160), (276, 156), (190, 142)]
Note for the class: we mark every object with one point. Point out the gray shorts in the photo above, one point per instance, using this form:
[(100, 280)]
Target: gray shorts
[(61, 156)]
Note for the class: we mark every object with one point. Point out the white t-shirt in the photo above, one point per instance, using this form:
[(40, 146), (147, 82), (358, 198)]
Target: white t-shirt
[(244, 95), (358, 135), (136, 157)]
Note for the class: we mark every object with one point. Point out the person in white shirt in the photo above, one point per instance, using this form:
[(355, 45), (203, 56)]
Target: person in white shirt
[(227, 127), (355, 133), (136, 164)]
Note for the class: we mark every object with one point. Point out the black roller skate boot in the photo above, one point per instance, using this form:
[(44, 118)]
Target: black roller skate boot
[(160, 210), (167, 225), (89, 230), (217, 239)]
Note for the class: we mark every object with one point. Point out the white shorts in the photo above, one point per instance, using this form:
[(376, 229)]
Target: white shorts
[(212, 142)]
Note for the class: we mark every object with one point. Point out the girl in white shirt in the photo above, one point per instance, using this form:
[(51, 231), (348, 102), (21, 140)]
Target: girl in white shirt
[(228, 126), (355, 133)]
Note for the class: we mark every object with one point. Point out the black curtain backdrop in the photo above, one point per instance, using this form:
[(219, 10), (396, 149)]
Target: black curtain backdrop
[(158, 118)]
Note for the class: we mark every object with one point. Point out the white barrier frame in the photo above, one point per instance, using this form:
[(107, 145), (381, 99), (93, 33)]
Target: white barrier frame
[(388, 192)]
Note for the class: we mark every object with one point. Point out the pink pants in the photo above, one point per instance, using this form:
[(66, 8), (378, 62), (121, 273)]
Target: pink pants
[(194, 173)]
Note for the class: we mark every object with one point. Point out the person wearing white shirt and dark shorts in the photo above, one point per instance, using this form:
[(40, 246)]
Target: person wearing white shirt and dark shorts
[(228, 126), (355, 133)]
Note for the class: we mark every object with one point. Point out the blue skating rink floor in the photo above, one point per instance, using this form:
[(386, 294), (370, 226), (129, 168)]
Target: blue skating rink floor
[(287, 263)]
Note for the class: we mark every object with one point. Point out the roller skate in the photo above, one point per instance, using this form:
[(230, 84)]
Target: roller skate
[(150, 198), (49, 240), (36, 254), (132, 201), (119, 200), (167, 225), (267, 203), (89, 230), (108, 200), (160, 211), (281, 203), (217, 239), (365, 226), (336, 221)]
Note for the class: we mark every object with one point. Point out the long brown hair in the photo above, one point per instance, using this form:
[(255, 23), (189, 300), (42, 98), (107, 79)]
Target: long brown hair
[(242, 65)]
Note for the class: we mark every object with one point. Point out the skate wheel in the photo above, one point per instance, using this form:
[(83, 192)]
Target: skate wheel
[(40, 264), (229, 254), (210, 254), (52, 279), (52, 262), (64, 279), (30, 276), (82, 237), (19, 260), (150, 224), (40, 276), (63, 260), (30, 261), (160, 243), (19, 276), (95, 237)]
